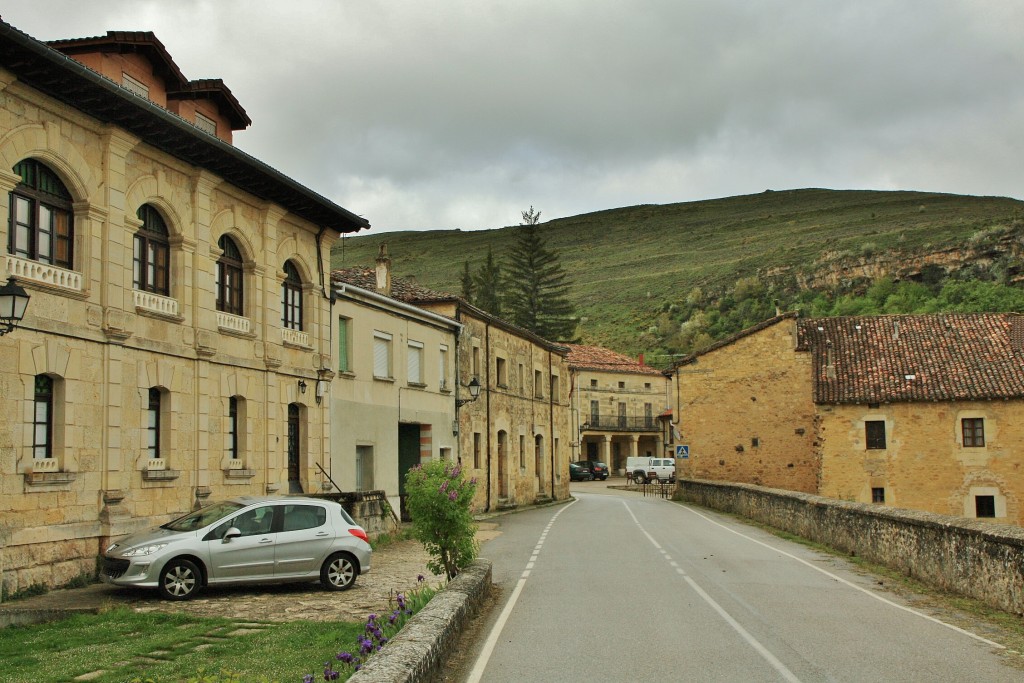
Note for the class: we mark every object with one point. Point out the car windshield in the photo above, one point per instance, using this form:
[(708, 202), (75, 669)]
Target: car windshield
[(204, 516)]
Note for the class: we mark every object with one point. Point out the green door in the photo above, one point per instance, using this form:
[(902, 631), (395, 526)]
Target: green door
[(408, 457)]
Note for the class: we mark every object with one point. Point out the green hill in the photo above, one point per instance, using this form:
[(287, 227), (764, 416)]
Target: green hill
[(632, 265)]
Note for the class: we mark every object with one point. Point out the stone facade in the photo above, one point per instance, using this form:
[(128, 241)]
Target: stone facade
[(745, 410), (159, 401), (618, 407), (925, 465), (916, 412)]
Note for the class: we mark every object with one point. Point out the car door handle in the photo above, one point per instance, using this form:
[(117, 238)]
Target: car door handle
[(265, 540), (322, 533)]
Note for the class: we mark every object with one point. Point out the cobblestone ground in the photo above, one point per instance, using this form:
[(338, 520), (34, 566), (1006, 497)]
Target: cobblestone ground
[(395, 570)]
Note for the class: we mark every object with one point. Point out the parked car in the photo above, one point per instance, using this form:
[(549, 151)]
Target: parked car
[(643, 469), (578, 472), (598, 469), (250, 539)]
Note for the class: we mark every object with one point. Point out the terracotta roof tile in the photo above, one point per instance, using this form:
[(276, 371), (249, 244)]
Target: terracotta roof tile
[(599, 358), (899, 358)]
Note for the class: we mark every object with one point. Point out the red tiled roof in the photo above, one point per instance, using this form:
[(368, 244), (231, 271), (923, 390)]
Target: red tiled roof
[(599, 358), (902, 358), (402, 289)]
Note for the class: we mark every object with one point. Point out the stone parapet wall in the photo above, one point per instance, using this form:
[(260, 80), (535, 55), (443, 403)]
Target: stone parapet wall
[(418, 652), (980, 560)]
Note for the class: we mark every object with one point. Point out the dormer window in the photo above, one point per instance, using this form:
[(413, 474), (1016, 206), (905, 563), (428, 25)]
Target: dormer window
[(135, 86), (206, 124)]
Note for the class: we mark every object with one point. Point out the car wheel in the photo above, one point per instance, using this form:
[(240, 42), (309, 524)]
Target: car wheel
[(639, 478), (179, 580), (339, 572)]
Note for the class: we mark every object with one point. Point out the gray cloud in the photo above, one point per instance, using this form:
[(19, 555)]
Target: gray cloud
[(444, 114)]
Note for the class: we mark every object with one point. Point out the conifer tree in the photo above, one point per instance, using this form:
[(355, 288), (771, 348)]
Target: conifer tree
[(487, 285), (536, 286), (468, 289)]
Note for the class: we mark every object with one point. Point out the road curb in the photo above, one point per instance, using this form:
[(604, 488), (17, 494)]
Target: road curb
[(420, 649)]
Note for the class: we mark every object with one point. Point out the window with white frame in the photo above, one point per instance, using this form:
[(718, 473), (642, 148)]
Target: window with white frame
[(443, 367), (233, 428), (414, 361), (291, 298), (152, 253), (152, 425), (41, 222), (42, 419), (382, 355)]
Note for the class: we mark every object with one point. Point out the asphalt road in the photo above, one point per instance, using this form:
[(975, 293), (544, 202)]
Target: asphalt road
[(618, 587)]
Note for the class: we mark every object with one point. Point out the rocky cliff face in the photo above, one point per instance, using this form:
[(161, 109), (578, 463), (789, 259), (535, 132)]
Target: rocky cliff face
[(999, 254)]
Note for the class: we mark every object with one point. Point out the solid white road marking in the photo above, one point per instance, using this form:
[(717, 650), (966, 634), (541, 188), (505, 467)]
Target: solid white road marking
[(499, 625), (850, 583)]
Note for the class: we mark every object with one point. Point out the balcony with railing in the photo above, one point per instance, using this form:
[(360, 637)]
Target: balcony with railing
[(621, 423), (44, 274)]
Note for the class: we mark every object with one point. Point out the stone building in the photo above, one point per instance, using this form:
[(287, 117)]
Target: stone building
[(922, 412), (393, 399), (179, 321), (618, 406), (515, 438)]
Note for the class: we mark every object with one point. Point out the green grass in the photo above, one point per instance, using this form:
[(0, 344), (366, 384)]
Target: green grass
[(629, 264), (162, 647)]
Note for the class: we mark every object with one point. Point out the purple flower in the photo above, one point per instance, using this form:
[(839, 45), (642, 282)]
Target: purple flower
[(383, 642), (345, 657), (444, 485), (453, 495), (308, 678)]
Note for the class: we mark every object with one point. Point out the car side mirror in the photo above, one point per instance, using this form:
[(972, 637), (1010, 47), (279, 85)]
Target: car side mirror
[(233, 532)]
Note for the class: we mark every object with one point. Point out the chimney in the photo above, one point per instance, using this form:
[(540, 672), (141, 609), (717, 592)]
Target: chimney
[(641, 359), (830, 363), (384, 270)]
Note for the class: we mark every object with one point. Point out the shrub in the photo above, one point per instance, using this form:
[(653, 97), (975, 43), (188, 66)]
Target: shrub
[(438, 500)]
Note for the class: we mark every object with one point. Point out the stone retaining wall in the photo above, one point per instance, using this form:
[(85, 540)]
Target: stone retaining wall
[(420, 649), (977, 559)]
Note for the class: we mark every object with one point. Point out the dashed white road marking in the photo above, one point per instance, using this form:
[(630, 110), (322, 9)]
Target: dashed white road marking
[(485, 654)]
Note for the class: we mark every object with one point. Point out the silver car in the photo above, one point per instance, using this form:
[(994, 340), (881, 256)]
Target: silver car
[(249, 539)]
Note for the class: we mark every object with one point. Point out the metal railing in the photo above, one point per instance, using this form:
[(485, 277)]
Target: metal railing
[(621, 423)]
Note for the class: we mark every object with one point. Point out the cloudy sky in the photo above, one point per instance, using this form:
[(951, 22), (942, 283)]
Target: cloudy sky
[(459, 114)]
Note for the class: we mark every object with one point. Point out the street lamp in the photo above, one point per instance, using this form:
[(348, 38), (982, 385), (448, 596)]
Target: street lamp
[(13, 302), (474, 391)]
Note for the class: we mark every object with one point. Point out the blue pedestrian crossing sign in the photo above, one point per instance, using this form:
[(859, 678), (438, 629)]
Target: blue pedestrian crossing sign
[(682, 452)]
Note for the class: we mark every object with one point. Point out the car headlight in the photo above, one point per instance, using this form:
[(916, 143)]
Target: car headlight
[(144, 550)]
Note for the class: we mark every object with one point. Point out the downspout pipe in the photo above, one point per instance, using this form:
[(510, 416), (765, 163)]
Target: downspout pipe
[(551, 424), (487, 386)]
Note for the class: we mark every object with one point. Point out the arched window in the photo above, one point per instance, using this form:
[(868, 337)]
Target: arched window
[(291, 298), (152, 252), (41, 221), (229, 277)]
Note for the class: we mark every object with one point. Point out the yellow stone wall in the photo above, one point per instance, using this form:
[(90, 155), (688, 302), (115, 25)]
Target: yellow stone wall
[(105, 351), (511, 412), (745, 410), (925, 465)]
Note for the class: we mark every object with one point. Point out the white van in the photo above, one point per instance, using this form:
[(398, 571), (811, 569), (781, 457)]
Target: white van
[(643, 470)]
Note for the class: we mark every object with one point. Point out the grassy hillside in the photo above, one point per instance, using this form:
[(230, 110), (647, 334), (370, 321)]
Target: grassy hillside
[(630, 264)]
